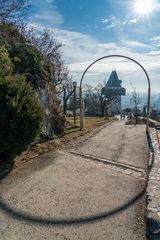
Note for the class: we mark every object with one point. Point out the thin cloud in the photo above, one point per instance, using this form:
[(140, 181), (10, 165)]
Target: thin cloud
[(114, 22), (46, 13), (50, 1), (154, 53), (130, 21), (157, 6), (133, 20), (155, 38), (136, 44), (124, 22), (80, 50), (155, 41), (104, 20), (110, 22)]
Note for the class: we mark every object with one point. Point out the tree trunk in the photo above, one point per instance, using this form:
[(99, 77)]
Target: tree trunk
[(102, 110), (136, 115), (65, 99)]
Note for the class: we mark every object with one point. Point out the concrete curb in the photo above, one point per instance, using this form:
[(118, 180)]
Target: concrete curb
[(153, 189)]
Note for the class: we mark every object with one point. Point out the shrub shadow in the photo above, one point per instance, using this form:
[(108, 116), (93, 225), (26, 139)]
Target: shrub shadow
[(5, 168)]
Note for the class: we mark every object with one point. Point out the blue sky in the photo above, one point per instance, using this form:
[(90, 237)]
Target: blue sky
[(89, 29)]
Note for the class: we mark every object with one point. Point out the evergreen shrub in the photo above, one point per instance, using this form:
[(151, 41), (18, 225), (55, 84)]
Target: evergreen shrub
[(21, 116)]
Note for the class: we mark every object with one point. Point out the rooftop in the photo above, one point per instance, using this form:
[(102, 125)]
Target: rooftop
[(113, 81)]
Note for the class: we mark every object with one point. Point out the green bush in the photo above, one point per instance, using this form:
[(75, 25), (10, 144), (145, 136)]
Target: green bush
[(5, 61), (32, 64), (21, 116)]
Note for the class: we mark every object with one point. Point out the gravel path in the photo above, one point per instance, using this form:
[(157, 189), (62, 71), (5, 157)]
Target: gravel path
[(95, 191)]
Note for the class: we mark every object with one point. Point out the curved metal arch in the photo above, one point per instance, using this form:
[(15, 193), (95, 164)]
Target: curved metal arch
[(121, 56)]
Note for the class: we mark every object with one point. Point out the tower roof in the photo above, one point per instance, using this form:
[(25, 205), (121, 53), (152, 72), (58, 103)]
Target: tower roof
[(113, 81), (113, 86)]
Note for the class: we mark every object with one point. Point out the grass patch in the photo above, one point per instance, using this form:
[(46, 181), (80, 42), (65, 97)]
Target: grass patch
[(72, 132)]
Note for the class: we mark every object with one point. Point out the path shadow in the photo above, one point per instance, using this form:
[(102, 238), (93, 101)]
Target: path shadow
[(19, 215), (22, 216)]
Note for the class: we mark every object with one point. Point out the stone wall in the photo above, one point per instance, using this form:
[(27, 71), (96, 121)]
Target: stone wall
[(45, 101), (153, 189)]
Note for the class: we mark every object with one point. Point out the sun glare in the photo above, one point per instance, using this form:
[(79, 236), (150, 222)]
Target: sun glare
[(144, 7)]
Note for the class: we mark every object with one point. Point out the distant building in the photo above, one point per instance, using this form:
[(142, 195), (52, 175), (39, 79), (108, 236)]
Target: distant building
[(113, 90)]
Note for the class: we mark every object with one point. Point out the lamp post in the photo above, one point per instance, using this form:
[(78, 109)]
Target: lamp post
[(74, 99)]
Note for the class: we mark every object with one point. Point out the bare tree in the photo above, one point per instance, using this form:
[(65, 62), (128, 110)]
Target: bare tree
[(105, 101), (67, 91), (13, 11), (135, 100), (87, 89), (90, 99), (48, 45), (45, 42), (92, 105), (61, 72), (95, 101), (51, 50)]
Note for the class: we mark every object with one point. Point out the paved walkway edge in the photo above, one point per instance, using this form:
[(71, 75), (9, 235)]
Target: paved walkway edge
[(153, 189)]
